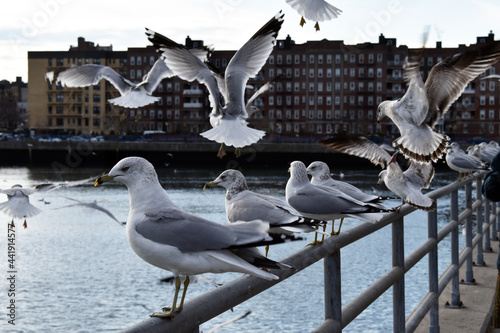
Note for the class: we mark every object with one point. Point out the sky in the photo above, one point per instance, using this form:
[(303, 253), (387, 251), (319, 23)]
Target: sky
[(54, 25)]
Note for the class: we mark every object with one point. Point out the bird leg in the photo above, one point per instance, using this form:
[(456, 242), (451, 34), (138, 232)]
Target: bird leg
[(316, 26), (25, 225), (340, 226), (171, 310), (316, 241), (267, 249), (302, 21), (221, 152), (237, 152), (12, 225), (186, 284)]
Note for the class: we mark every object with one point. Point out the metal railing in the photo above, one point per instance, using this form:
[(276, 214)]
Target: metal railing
[(210, 304)]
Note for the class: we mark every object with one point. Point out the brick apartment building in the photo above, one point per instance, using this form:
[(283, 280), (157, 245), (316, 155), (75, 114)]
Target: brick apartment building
[(323, 88)]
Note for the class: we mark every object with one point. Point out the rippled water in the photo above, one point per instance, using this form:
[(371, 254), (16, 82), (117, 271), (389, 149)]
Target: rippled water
[(77, 273)]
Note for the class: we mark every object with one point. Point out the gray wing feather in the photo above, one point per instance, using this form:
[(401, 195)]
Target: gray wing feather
[(87, 75), (191, 233)]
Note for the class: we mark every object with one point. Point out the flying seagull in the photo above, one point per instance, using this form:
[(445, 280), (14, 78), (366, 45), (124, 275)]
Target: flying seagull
[(407, 185), (18, 203), (133, 95), (423, 105), (166, 236), (91, 205), (315, 10), (228, 116)]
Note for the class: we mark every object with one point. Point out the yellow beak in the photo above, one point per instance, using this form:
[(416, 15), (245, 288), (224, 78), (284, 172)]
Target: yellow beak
[(104, 178), (211, 184)]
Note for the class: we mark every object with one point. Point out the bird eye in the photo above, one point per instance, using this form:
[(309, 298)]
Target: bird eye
[(125, 168)]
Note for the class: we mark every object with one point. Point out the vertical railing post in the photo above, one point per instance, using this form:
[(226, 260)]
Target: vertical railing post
[(469, 274), (487, 218), (398, 289), (455, 281), (333, 292), (493, 210), (479, 226), (433, 272)]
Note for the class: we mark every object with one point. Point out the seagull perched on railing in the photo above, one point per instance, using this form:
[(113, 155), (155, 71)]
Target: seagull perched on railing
[(228, 116), (320, 175), (462, 162), (315, 10), (407, 185), (245, 205), (326, 203), (421, 107), (166, 236)]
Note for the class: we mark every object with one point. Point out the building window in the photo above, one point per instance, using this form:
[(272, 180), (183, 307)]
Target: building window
[(288, 59), (482, 114), (491, 114), (96, 98), (279, 59), (96, 110), (271, 59), (311, 58), (152, 114), (297, 59), (320, 58), (492, 100)]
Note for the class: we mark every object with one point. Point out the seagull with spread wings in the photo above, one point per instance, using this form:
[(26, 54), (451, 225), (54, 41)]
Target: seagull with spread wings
[(407, 185), (229, 114), (423, 105), (133, 95), (18, 203), (315, 10)]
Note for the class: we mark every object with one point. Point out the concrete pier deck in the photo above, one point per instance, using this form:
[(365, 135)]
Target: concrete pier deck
[(478, 300)]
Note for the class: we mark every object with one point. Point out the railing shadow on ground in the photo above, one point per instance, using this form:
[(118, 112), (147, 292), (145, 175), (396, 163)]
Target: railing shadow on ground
[(211, 304)]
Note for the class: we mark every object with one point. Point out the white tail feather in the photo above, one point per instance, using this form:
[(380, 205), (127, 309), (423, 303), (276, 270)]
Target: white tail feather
[(234, 133)]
